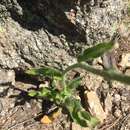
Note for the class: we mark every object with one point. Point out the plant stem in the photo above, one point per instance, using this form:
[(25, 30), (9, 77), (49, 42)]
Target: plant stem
[(85, 67), (110, 74)]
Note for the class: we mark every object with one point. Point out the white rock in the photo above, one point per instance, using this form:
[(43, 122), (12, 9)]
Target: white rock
[(95, 105), (108, 103), (125, 62), (117, 97)]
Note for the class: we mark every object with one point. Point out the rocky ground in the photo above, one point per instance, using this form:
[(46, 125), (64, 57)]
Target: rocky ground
[(111, 102), (31, 38)]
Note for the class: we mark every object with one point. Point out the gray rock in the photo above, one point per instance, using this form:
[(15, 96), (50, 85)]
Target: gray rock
[(7, 77), (38, 33)]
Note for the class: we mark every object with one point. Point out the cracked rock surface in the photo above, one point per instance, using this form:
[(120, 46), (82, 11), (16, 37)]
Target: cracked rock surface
[(44, 32)]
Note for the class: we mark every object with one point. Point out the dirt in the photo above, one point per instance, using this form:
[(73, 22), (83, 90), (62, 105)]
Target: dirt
[(18, 111)]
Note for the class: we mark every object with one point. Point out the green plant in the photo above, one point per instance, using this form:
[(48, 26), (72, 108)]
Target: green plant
[(66, 97)]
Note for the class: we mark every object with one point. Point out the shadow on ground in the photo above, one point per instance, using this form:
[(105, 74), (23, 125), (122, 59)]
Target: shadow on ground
[(50, 15)]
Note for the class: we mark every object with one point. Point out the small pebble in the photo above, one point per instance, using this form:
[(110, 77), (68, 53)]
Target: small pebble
[(28, 105), (117, 97), (117, 113), (12, 105), (124, 98)]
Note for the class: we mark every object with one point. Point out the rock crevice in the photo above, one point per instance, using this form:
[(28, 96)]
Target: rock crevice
[(45, 32)]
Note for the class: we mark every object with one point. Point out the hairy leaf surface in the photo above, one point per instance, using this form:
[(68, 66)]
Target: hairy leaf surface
[(95, 51)]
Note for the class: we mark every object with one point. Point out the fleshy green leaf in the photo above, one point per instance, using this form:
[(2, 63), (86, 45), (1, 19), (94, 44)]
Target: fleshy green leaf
[(44, 92), (32, 93), (95, 51), (78, 114), (81, 121), (74, 106), (93, 122), (45, 71), (90, 120), (73, 84), (85, 115)]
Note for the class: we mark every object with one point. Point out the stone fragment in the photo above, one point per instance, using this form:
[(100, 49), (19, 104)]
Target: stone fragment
[(117, 113), (24, 86), (127, 72), (95, 105), (46, 120), (117, 98), (92, 81), (123, 30), (108, 103), (125, 62), (7, 77)]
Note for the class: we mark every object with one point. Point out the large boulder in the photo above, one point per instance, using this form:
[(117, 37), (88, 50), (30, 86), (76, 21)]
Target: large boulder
[(52, 32)]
